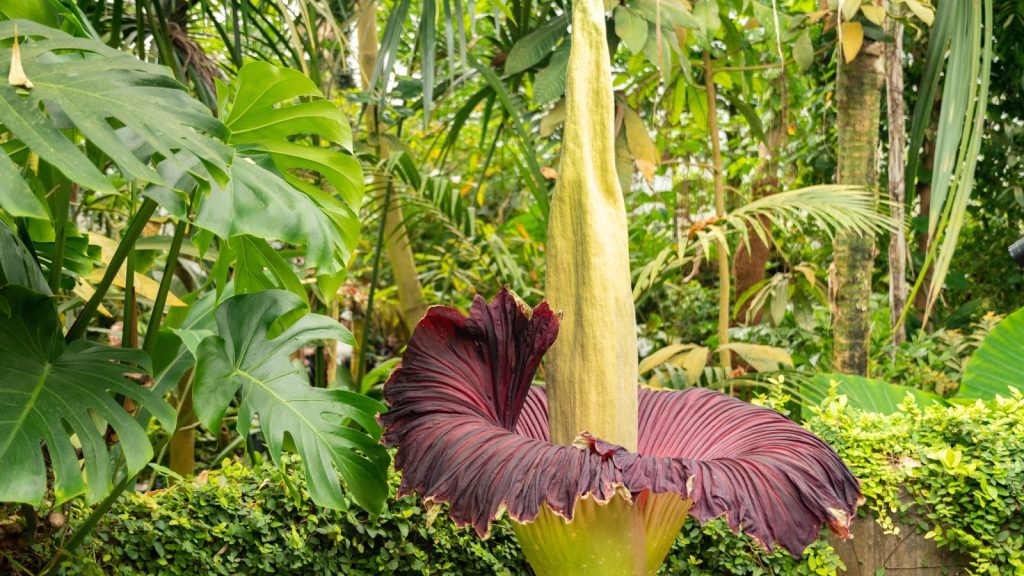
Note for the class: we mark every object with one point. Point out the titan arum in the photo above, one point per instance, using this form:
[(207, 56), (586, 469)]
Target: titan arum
[(597, 474)]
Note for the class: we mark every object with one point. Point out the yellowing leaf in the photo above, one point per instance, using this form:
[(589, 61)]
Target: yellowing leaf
[(84, 290), (815, 17), (852, 37), (552, 120), (631, 28), (849, 9), (682, 34), (876, 14), (662, 355), (924, 13), (690, 357), (762, 358), (17, 77), (693, 362), (144, 285), (641, 146)]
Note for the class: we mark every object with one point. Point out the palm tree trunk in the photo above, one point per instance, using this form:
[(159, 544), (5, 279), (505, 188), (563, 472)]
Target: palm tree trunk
[(859, 94), (592, 367), (403, 265), (897, 164)]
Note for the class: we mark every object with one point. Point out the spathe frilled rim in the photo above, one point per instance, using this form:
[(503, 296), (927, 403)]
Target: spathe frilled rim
[(472, 431)]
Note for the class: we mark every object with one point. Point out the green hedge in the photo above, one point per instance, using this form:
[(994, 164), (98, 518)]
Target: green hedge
[(957, 472), (953, 473), (238, 520)]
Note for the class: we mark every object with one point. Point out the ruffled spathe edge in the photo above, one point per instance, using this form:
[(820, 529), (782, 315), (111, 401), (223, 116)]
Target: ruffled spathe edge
[(472, 432)]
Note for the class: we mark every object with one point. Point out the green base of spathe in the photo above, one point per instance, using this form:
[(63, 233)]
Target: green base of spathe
[(617, 538)]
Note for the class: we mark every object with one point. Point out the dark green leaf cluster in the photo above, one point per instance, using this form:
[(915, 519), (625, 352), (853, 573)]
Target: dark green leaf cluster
[(238, 520), (713, 549)]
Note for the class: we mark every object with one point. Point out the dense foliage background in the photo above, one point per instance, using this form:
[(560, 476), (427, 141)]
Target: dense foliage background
[(180, 177)]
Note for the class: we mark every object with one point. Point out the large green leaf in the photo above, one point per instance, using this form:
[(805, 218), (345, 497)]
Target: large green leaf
[(83, 84), (862, 393), (65, 15), (631, 28), (256, 201), (17, 267), (250, 355), (182, 332), (61, 396), (549, 85), (998, 363), (260, 109), (259, 267), (15, 195)]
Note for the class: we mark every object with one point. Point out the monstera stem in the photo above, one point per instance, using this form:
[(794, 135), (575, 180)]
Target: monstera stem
[(592, 368), (139, 222)]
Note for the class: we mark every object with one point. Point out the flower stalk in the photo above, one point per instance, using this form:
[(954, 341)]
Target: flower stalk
[(592, 369), (597, 474)]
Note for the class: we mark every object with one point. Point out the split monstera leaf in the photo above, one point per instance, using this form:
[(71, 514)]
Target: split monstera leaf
[(472, 432), (277, 166)]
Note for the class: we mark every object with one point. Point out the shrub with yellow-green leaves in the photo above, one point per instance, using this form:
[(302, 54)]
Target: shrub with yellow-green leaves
[(954, 473)]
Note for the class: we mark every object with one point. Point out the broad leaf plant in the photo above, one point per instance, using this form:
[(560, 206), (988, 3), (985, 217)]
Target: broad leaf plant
[(275, 167)]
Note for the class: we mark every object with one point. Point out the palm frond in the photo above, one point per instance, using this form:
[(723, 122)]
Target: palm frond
[(959, 135), (830, 208)]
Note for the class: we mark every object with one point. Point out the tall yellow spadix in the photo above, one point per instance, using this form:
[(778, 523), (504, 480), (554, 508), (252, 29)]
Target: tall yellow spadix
[(592, 368)]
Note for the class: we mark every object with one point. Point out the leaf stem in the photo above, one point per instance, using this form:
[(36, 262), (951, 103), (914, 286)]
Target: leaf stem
[(723, 250), (83, 531), (162, 37), (117, 15), (361, 366), (130, 325), (156, 316), (60, 216), (78, 329)]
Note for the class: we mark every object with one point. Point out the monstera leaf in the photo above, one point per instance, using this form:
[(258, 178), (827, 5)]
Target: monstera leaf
[(997, 365), (255, 201), (60, 396), (261, 110), (250, 358), (107, 96), (264, 196)]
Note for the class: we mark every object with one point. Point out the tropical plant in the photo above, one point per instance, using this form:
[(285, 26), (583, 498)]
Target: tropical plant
[(88, 126), (960, 45), (995, 367), (953, 471), (869, 395), (613, 502)]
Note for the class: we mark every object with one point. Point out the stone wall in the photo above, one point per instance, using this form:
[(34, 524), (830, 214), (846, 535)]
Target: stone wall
[(904, 554)]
